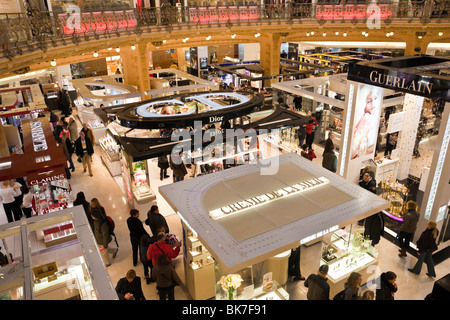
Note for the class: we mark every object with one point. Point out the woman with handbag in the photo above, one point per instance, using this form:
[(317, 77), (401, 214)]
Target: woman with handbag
[(426, 245), (166, 278)]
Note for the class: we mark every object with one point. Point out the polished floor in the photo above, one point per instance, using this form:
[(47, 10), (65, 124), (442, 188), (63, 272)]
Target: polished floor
[(109, 192)]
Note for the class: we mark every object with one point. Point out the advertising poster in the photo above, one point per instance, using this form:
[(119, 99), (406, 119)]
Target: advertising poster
[(367, 117)]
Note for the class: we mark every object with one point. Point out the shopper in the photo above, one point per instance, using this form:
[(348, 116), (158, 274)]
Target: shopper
[(329, 144), (368, 295), (318, 287), (301, 135), (7, 195), (161, 246), (102, 236), (144, 244), (387, 286), (163, 164), (305, 151), (374, 228), (27, 201), (408, 227), (178, 167), (84, 151), (155, 220), (329, 160), (65, 129), (80, 200), (136, 232), (129, 287), (166, 278), (73, 130), (368, 183), (426, 245), (310, 129), (64, 102), (88, 133), (352, 286), (391, 143), (294, 265), (311, 154), (13, 183)]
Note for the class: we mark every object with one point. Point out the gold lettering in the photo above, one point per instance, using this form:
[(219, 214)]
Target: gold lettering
[(428, 86), (373, 79), (413, 85), (396, 82)]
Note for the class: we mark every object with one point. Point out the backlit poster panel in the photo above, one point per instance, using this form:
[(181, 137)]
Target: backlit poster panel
[(367, 117)]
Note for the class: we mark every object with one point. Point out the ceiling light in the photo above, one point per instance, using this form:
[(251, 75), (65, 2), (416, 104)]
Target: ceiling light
[(441, 34), (392, 33), (420, 37), (233, 36), (109, 49), (312, 33), (324, 34), (164, 41), (388, 34), (96, 54), (208, 38), (257, 35), (133, 47), (337, 33), (366, 35), (363, 33), (307, 34), (345, 34), (117, 49), (53, 63)]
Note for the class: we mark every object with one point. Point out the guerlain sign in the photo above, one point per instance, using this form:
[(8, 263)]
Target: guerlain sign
[(266, 198), (387, 80)]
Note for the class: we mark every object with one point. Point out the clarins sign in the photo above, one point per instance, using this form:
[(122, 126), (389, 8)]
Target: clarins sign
[(386, 80), (38, 136), (266, 198)]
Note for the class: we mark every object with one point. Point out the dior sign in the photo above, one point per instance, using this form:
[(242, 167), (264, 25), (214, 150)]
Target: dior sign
[(266, 198)]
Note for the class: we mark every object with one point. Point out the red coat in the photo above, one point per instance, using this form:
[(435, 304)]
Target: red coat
[(153, 251), (311, 154)]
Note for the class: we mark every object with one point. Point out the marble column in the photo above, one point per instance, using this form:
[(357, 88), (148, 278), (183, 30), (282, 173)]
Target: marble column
[(269, 45)]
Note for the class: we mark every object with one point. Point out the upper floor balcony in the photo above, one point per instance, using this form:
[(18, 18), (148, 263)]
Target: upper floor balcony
[(37, 31)]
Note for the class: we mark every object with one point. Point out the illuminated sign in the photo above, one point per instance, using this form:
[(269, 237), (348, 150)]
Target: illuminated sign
[(33, 182), (318, 234), (267, 198), (400, 83), (349, 12), (38, 136)]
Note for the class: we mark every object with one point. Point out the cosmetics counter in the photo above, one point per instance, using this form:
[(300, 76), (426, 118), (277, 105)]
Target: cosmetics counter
[(345, 252)]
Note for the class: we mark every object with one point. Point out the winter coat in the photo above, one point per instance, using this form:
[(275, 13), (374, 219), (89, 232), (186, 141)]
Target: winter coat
[(101, 232), (79, 147), (165, 276), (386, 289), (426, 242), (329, 161), (318, 288), (155, 249), (410, 220), (124, 286), (179, 170), (163, 163)]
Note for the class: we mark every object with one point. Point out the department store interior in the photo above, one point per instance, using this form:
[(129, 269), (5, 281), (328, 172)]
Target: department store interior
[(239, 82)]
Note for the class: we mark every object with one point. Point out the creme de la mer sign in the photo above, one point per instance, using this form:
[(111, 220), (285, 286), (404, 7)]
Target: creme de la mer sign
[(268, 197)]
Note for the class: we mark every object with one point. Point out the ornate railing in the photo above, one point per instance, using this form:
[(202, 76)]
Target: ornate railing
[(36, 30)]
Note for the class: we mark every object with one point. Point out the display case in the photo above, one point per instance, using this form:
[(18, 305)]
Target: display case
[(347, 251), (286, 139), (59, 233), (87, 115), (384, 168), (253, 284), (332, 121), (137, 179), (111, 154), (52, 196), (198, 266)]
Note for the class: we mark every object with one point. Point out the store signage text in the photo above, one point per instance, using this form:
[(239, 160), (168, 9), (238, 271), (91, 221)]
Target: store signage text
[(400, 83), (38, 136), (215, 119), (267, 197), (318, 234), (47, 179)]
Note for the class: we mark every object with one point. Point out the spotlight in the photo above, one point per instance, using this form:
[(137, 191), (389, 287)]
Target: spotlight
[(363, 33), (307, 34), (164, 41), (312, 33), (366, 35), (96, 54), (392, 33), (337, 33), (133, 47), (441, 34), (109, 49), (53, 63), (208, 38), (117, 49), (345, 34), (388, 34), (324, 34), (233, 36)]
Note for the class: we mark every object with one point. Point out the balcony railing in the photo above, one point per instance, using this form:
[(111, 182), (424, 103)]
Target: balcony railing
[(37, 30)]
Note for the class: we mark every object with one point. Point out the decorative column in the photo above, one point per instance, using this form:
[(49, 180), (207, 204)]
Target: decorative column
[(269, 46), (437, 192), (412, 107), (135, 67)]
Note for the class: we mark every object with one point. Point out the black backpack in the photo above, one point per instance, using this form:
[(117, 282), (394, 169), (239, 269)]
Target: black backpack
[(340, 295)]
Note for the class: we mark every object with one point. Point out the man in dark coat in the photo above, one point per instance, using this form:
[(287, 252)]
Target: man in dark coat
[(136, 232), (318, 288), (155, 220), (408, 227), (374, 228), (84, 151), (368, 183), (329, 160), (64, 101)]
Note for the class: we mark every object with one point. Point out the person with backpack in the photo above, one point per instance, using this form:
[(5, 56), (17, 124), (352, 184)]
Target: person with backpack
[(426, 245), (136, 232), (102, 235)]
